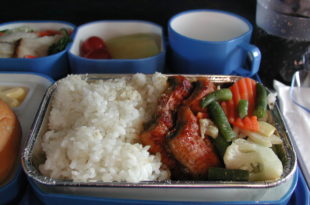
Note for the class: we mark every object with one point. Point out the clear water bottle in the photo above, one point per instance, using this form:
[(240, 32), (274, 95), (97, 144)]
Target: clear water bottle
[(283, 36)]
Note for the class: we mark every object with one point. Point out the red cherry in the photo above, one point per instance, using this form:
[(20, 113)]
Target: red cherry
[(91, 44)]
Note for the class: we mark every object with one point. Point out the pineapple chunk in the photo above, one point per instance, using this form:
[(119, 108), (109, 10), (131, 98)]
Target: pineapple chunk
[(18, 93), (13, 96), (266, 129), (12, 102)]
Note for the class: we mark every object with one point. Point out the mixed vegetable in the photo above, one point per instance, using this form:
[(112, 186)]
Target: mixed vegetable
[(245, 138), (25, 42)]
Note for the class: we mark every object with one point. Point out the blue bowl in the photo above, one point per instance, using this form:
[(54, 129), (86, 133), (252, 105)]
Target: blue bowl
[(55, 66), (113, 28)]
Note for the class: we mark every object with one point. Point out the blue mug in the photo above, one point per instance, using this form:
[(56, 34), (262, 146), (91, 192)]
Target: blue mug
[(212, 42)]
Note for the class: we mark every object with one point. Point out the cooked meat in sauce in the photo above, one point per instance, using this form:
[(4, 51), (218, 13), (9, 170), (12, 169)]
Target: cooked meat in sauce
[(202, 87), (155, 136), (188, 147), (175, 132)]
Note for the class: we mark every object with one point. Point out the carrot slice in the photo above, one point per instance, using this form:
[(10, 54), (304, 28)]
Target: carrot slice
[(236, 94), (255, 123), (232, 110), (245, 88), (247, 123), (253, 82), (251, 94), (238, 122)]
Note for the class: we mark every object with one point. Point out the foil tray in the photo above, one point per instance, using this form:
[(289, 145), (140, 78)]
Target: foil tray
[(165, 190)]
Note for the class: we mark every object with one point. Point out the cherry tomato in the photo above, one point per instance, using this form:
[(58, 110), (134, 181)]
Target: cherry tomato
[(91, 44), (98, 54)]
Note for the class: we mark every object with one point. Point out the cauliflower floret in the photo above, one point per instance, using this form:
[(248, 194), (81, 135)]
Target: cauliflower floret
[(260, 161)]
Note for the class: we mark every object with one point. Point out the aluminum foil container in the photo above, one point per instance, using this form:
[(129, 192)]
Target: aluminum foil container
[(171, 190)]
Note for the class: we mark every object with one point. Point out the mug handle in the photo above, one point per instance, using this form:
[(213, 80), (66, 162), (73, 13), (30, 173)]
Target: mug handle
[(254, 55)]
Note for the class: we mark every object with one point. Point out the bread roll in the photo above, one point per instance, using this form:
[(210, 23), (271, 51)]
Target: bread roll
[(10, 134)]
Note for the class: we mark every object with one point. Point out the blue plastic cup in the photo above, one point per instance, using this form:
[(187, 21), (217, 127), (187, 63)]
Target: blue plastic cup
[(212, 42)]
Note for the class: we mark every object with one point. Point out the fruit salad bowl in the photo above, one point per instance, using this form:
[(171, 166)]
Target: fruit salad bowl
[(117, 46)]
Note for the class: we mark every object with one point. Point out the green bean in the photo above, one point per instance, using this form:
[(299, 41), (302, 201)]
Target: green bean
[(279, 150), (222, 95), (261, 101), (217, 173), (219, 118), (220, 145), (243, 108)]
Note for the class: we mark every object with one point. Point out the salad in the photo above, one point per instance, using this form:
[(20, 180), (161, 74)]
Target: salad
[(25, 42)]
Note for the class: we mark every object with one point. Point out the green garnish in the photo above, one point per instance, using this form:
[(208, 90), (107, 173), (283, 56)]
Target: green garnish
[(61, 44)]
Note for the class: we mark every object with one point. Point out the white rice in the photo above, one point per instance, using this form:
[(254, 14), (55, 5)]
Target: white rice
[(94, 128)]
